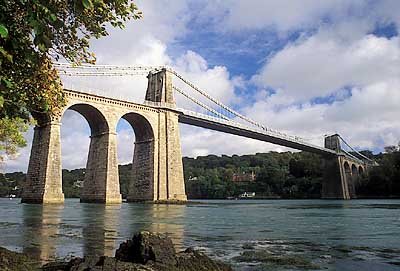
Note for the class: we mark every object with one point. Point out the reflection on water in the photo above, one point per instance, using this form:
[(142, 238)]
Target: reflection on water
[(100, 229), (163, 222), (251, 235), (41, 226), (74, 229)]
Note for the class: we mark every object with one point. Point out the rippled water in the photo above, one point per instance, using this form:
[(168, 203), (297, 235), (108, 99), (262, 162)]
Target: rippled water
[(249, 234)]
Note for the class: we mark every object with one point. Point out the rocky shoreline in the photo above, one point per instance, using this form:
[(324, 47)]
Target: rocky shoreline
[(144, 252)]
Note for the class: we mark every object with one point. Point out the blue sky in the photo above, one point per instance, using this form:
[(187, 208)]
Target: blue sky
[(305, 67)]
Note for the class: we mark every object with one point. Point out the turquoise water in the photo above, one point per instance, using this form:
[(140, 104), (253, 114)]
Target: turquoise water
[(326, 235)]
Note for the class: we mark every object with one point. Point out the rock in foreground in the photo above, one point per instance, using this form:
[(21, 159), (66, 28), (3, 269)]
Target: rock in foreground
[(13, 261), (144, 252)]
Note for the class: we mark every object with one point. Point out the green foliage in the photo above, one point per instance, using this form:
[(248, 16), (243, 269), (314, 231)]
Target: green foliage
[(287, 175), (384, 180), (11, 183), (32, 32), (212, 176), (11, 136)]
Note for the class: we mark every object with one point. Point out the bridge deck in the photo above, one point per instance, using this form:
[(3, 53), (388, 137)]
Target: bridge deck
[(217, 124), (204, 121)]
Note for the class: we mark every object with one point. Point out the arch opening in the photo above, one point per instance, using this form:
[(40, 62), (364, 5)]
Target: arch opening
[(75, 142), (354, 180), (360, 170), (354, 170), (92, 181), (96, 120), (125, 149), (141, 127), (347, 168), (139, 184)]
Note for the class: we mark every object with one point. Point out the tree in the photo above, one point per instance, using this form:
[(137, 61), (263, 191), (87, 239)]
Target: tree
[(11, 136), (391, 149), (32, 33), (297, 168)]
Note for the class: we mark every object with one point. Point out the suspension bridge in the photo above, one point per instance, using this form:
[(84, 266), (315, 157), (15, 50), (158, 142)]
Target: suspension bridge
[(157, 164)]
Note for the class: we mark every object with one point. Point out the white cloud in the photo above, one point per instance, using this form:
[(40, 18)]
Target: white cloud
[(125, 142), (283, 16), (367, 119), (20, 162), (322, 65), (75, 140), (142, 42), (216, 81), (286, 16)]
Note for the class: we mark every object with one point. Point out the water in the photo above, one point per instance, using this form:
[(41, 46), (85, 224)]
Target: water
[(249, 234)]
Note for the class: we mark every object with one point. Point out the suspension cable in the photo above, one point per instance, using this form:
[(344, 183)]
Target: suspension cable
[(349, 154), (344, 141), (103, 67), (76, 73), (216, 101), (68, 69), (200, 103)]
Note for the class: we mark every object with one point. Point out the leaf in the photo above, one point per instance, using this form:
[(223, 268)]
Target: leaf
[(3, 31), (87, 4), (46, 41), (7, 55), (42, 47), (1, 101), (8, 83), (53, 17)]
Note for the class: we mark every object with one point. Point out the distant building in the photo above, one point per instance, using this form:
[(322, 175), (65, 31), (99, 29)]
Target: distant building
[(78, 183), (246, 195), (243, 177)]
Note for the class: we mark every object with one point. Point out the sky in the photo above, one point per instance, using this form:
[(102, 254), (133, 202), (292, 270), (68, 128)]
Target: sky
[(304, 67)]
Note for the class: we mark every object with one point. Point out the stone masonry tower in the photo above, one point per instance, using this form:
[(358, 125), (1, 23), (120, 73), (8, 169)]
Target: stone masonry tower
[(170, 182), (342, 174)]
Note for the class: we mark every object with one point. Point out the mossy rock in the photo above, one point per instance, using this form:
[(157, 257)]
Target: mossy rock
[(14, 261)]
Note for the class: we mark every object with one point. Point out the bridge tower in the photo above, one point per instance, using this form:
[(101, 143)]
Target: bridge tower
[(168, 178), (342, 174)]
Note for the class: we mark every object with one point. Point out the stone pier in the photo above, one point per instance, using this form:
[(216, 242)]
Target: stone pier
[(43, 179), (342, 173)]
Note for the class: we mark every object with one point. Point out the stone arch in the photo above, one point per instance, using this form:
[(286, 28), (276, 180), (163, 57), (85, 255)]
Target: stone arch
[(347, 169), (360, 171), (97, 121), (141, 186), (354, 180), (101, 175), (140, 124), (354, 170)]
